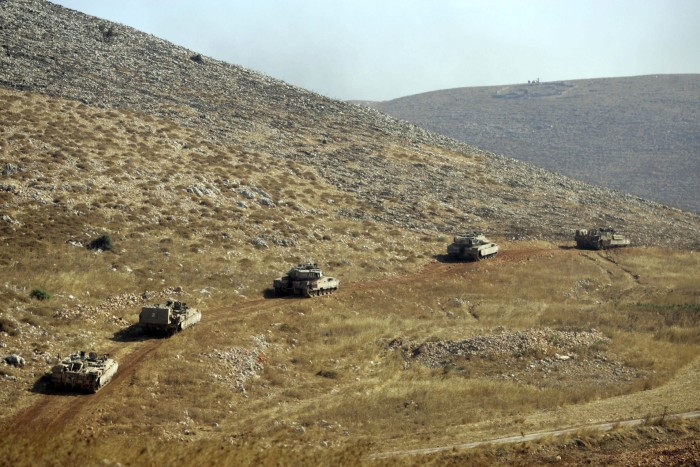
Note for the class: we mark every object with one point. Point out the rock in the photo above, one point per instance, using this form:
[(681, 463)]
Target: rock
[(259, 242), (203, 190), (15, 360), (10, 169), (241, 364), (266, 202), (9, 188), (502, 345)]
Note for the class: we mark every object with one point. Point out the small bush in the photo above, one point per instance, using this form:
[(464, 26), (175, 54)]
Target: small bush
[(39, 294), (103, 243), (330, 374)]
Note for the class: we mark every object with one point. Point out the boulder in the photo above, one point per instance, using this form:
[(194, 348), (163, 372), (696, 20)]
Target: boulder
[(14, 360)]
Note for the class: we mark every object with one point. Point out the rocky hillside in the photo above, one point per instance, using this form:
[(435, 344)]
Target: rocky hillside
[(133, 171), (243, 141), (637, 135)]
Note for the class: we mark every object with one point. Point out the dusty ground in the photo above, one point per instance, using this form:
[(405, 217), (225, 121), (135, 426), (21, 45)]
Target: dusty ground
[(40, 411)]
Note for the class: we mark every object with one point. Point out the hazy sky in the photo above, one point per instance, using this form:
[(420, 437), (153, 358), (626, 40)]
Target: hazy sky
[(383, 49)]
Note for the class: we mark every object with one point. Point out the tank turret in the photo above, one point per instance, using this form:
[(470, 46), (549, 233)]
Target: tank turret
[(472, 246), (305, 279)]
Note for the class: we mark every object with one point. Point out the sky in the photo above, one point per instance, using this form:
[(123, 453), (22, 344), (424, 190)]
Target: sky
[(384, 49)]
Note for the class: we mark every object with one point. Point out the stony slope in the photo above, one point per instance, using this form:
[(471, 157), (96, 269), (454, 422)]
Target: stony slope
[(396, 173), (211, 180), (637, 134)]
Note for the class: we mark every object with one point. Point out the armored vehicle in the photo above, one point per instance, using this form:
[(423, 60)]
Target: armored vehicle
[(600, 239), (474, 246), (85, 372), (307, 280), (169, 318)]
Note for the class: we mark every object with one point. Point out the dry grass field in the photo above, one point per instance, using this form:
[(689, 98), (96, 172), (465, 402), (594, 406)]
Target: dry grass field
[(264, 379), (413, 351), (206, 197)]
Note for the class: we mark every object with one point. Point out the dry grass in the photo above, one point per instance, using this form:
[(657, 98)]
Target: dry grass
[(330, 389)]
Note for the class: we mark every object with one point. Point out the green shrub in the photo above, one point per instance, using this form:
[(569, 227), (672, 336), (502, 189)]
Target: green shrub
[(103, 243), (39, 294)]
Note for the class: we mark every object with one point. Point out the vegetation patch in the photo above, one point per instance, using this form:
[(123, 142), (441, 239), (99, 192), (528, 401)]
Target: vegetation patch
[(330, 374), (103, 243), (39, 294)]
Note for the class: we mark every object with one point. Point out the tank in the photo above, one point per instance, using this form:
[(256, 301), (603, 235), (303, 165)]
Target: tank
[(306, 280), (599, 239), (474, 246), (172, 317), (84, 371)]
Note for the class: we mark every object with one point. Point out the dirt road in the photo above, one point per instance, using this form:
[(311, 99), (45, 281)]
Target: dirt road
[(525, 437)]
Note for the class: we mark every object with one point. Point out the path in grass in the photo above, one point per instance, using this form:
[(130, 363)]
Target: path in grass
[(526, 437)]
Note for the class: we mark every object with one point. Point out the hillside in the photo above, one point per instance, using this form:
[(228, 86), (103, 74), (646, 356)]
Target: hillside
[(250, 116), (638, 134), (210, 180)]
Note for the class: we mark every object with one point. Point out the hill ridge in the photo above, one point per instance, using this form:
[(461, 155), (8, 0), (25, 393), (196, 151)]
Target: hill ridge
[(635, 134), (62, 53)]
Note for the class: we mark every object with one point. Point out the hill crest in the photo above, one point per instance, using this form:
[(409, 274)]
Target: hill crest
[(634, 134)]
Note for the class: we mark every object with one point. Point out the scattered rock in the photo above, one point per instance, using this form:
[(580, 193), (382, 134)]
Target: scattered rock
[(15, 360), (530, 355), (238, 365), (10, 169)]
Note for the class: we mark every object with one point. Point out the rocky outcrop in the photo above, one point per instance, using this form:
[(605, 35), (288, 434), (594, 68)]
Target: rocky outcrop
[(545, 357)]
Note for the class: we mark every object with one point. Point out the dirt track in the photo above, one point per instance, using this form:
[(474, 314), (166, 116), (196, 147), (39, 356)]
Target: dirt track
[(58, 410), (525, 437)]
